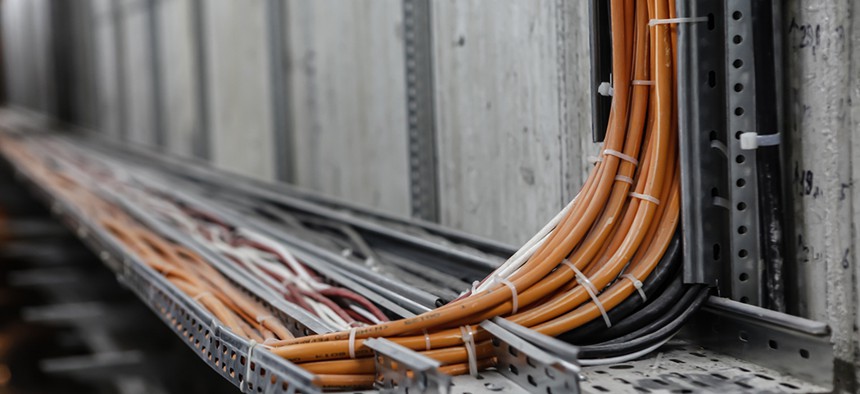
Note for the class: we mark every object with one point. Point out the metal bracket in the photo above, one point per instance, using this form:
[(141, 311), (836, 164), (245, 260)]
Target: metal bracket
[(788, 344), (530, 367), (401, 370)]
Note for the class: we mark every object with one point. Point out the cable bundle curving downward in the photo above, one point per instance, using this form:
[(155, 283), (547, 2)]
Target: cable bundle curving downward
[(604, 273), (590, 260)]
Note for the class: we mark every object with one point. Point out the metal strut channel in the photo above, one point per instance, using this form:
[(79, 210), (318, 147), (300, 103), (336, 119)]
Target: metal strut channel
[(418, 48), (256, 370), (702, 140), (399, 369), (788, 344), (529, 366), (747, 267)]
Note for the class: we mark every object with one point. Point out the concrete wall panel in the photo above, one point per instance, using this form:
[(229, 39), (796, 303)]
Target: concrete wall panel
[(349, 100)]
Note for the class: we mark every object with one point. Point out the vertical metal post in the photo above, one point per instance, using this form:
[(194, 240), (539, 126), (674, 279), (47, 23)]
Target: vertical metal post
[(420, 113), (747, 266), (702, 140)]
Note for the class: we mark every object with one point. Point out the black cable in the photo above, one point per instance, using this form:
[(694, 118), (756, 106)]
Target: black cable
[(653, 286), (647, 336)]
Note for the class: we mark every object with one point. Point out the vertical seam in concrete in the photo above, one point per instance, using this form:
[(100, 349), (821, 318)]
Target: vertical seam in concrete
[(282, 116), (155, 69), (561, 73), (201, 147), (117, 12)]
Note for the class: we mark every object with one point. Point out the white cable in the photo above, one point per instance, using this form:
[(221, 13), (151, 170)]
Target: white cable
[(528, 249), (673, 21), (365, 314), (623, 358)]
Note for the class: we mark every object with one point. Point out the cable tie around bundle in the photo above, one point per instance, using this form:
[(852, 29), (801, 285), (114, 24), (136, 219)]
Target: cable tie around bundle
[(352, 342), (594, 159), (590, 288), (251, 347), (475, 285), (426, 340), (625, 179), (641, 82), (645, 197), (200, 296), (514, 296), (675, 21), (637, 284), (469, 341), (622, 156), (263, 318)]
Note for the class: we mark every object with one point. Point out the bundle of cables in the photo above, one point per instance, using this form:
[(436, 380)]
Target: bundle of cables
[(604, 273)]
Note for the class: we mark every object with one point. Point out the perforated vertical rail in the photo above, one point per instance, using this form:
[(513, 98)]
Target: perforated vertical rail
[(417, 41), (702, 139), (746, 265)]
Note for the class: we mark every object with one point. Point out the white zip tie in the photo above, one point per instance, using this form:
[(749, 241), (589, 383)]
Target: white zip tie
[(621, 156), (352, 342), (641, 82), (645, 197), (674, 21), (589, 287), (514, 296), (198, 297), (625, 179), (594, 159), (637, 284), (427, 340), (263, 318), (248, 362), (469, 341), (475, 285)]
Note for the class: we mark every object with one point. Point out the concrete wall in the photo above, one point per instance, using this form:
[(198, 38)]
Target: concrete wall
[(240, 112), (509, 149), (823, 114), (348, 94), (178, 70)]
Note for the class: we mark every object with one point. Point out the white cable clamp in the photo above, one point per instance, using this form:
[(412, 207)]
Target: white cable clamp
[(469, 342), (621, 156), (514, 295), (248, 362), (636, 284), (427, 340), (589, 287), (674, 21), (645, 197), (352, 342), (605, 89), (753, 140), (641, 82), (625, 179)]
